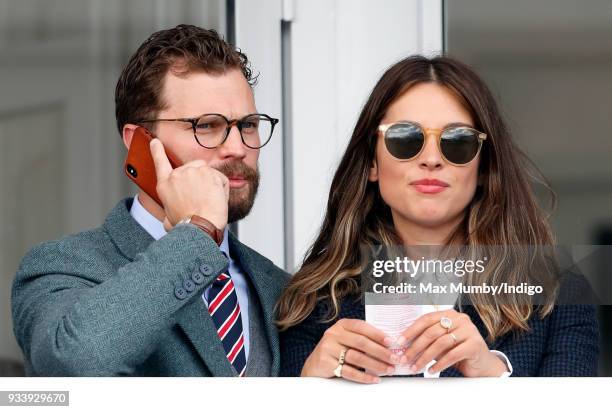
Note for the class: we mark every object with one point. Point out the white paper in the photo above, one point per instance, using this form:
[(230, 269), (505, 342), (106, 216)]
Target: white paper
[(393, 320)]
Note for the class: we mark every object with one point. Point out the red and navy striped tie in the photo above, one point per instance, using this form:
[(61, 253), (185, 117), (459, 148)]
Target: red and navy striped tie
[(225, 312)]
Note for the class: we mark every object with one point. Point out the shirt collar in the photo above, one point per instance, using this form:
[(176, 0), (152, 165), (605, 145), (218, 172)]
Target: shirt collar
[(156, 228)]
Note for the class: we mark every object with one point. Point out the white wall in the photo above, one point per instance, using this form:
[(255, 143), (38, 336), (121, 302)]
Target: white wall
[(258, 34), (335, 52)]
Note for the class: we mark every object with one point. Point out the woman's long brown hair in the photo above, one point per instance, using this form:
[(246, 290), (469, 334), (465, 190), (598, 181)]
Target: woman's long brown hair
[(504, 210)]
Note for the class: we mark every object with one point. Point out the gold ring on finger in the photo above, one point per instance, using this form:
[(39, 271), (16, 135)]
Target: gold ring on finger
[(338, 370)]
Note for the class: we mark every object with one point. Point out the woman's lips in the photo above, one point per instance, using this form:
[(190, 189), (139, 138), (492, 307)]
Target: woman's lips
[(429, 186)]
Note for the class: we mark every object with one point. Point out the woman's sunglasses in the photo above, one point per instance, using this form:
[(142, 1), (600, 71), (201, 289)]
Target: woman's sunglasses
[(458, 144)]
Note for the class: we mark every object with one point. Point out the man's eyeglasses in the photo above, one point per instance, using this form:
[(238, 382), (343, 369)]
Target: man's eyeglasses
[(211, 130)]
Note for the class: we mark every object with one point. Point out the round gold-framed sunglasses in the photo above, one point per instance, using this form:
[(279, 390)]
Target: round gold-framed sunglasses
[(459, 144)]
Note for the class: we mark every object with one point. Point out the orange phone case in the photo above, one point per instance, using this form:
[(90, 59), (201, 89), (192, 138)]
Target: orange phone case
[(139, 166)]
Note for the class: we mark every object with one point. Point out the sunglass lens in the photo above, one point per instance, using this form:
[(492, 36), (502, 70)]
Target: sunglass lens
[(404, 140), (459, 145)]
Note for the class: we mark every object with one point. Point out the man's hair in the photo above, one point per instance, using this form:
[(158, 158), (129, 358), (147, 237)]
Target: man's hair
[(182, 49)]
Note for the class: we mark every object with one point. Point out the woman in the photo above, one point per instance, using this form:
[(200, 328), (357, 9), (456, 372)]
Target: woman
[(430, 162)]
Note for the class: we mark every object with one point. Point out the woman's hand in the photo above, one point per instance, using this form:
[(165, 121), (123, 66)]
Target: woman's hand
[(366, 347), (461, 345)]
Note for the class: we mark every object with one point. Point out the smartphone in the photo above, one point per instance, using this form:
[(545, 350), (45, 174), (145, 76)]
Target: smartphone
[(139, 165)]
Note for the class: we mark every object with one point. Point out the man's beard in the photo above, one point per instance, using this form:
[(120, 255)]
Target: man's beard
[(241, 199)]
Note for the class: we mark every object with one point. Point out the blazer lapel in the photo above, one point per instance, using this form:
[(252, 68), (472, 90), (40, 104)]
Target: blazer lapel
[(266, 288)]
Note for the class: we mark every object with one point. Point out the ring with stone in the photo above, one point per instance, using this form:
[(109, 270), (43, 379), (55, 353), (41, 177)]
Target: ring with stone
[(446, 323)]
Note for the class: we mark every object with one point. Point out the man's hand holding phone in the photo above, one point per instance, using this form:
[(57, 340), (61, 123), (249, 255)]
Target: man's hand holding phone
[(191, 189)]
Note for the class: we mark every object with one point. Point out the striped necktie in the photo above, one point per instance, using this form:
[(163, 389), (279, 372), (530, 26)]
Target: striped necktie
[(225, 312)]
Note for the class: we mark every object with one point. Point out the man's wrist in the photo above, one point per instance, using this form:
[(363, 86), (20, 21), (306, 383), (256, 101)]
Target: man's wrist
[(205, 225)]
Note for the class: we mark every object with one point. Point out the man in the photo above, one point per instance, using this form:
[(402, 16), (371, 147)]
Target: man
[(150, 292)]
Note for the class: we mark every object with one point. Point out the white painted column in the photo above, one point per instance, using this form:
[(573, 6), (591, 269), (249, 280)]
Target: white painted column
[(340, 48)]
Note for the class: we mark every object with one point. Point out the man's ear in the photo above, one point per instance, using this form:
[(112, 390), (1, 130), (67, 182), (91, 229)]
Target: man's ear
[(373, 175), (128, 133)]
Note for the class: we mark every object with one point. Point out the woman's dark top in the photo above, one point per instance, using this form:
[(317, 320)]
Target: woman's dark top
[(564, 343)]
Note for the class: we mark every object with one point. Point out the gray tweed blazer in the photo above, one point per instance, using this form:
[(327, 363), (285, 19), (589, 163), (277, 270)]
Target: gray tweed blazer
[(112, 302)]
